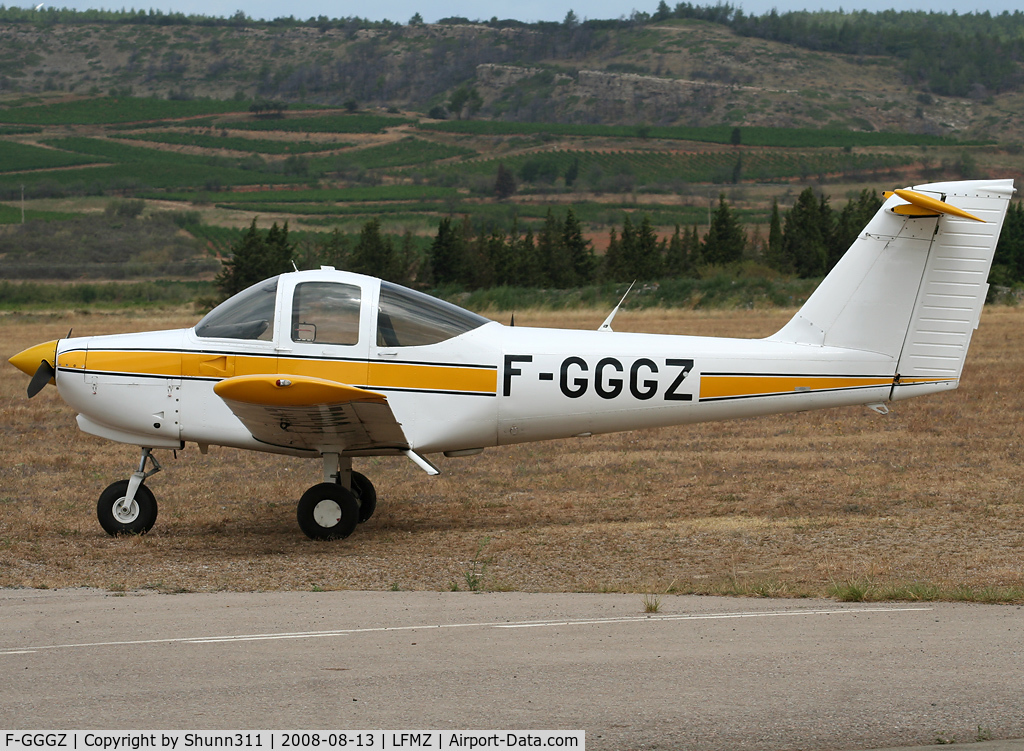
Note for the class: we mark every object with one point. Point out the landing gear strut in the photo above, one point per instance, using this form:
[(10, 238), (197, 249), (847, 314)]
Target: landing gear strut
[(127, 507), (332, 509)]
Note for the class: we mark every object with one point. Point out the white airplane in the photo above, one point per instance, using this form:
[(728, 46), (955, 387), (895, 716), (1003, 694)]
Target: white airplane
[(337, 365)]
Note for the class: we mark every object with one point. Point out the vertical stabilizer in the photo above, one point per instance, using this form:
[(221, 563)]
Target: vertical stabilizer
[(913, 284), (954, 286)]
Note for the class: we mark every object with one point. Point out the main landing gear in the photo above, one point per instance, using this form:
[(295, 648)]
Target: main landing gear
[(330, 510)]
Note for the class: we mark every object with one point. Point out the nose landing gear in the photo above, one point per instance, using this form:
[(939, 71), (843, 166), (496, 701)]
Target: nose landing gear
[(127, 507)]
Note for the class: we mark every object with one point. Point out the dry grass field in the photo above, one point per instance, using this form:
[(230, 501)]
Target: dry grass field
[(925, 502)]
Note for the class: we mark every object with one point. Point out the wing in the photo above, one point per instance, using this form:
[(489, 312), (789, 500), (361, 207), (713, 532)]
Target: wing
[(312, 413)]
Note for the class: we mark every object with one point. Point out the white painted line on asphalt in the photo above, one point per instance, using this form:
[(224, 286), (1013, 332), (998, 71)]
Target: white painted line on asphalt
[(708, 616), (647, 618)]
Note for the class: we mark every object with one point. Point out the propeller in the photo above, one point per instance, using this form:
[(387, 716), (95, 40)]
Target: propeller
[(42, 377)]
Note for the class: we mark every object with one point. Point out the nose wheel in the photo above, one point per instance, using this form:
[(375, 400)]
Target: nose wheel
[(127, 507)]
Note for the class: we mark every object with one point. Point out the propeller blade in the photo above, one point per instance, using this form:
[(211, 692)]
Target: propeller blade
[(42, 377)]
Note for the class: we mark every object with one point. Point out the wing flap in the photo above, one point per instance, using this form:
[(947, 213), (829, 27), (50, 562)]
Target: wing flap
[(312, 413)]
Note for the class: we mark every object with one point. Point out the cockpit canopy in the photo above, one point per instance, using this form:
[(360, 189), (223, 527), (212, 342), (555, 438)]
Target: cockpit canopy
[(328, 310)]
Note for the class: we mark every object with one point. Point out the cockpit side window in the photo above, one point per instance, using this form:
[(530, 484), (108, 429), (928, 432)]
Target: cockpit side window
[(326, 313), (247, 315), (407, 318)]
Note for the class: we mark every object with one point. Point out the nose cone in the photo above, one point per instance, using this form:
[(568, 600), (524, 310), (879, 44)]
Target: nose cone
[(28, 360)]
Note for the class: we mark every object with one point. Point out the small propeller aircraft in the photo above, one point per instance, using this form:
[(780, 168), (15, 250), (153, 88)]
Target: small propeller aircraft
[(335, 365)]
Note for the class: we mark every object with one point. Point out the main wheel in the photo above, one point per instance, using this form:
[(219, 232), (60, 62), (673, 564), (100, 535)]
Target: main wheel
[(328, 512), (366, 494), (136, 518)]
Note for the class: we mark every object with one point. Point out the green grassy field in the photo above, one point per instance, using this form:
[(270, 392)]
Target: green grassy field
[(107, 110), (18, 157), (749, 136), (649, 168), (237, 143), (333, 123)]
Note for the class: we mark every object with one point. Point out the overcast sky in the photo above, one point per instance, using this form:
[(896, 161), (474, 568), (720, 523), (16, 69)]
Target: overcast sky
[(524, 10)]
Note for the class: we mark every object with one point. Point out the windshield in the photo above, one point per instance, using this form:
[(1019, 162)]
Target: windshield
[(410, 319), (247, 315)]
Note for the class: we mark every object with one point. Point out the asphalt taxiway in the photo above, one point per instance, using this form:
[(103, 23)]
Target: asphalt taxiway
[(702, 673)]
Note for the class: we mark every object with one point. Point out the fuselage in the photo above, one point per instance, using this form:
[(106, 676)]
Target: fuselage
[(487, 386)]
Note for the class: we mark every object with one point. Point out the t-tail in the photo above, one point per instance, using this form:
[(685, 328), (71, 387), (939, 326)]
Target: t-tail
[(913, 284)]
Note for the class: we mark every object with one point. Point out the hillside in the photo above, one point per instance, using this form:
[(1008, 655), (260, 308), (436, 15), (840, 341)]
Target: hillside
[(674, 72), (204, 128)]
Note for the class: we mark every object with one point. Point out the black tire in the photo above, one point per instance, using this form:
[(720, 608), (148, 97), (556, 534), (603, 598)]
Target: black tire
[(366, 494), (328, 512), (138, 519)]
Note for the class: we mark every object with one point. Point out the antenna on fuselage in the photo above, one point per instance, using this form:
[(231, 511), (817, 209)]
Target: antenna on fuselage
[(607, 325)]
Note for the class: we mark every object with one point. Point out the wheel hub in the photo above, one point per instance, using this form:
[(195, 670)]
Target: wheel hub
[(327, 513), (125, 513)]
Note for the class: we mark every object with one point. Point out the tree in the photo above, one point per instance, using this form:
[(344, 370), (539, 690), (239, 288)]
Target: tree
[(373, 253), (475, 102), (675, 255), (416, 20), (333, 250), (580, 251), (504, 183), (726, 239), (805, 236), (613, 270), (446, 253), (527, 262), (554, 258), (464, 97), (852, 220), (775, 256), (1008, 265), (572, 172), (649, 251), (255, 257)]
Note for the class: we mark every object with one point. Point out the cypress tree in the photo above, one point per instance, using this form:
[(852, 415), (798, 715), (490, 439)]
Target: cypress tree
[(726, 239), (529, 272), (694, 252), (804, 238), (775, 257), (505, 183), (255, 257), (851, 221), (555, 261), (446, 253), (613, 258), (373, 253), (649, 251), (675, 255), (579, 250)]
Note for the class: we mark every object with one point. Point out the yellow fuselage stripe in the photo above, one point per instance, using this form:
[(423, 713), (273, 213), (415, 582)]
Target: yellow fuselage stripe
[(373, 374), (735, 386)]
